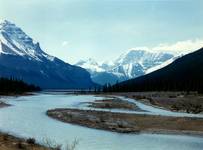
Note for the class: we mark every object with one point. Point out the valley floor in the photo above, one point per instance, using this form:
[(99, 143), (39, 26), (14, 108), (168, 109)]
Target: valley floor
[(173, 101), (125, 122), (129, 123), (113, 103)]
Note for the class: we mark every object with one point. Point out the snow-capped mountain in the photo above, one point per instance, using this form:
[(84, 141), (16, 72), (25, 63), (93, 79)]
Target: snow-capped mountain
[(15, 42), (183, 74), (91, 65), (136, 62), (131, 64), (101, 73), (21, 57)]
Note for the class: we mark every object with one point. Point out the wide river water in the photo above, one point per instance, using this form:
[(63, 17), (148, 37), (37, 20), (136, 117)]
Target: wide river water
[(27, 118)]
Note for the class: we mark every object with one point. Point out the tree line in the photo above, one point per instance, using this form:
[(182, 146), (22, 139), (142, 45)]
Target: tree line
[(15, 86), (155, 85)]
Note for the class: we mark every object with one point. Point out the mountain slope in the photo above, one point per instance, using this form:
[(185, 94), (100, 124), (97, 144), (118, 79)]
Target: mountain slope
[(22, 58), (99, 73), (132, 64), (184, 74), (135, 62)]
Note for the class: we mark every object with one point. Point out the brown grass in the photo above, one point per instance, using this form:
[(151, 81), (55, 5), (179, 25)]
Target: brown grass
[(8, 142), (175, 101), (114, 103)]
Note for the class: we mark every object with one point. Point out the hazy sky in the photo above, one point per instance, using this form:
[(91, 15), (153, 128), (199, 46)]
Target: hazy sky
[(103, 29)]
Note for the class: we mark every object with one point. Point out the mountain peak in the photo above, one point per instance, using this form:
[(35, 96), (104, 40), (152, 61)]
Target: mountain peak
[(90, 64), (6, 22), (87, 61), (17, 42), (140, 56), (22, 58), (7, 26), (133, 63), (135, 52)]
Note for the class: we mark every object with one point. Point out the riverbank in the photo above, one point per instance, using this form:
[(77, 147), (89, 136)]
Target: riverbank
[(2, 104), (9, 142), (174, 101), (129, 123), (16, 94), (42, 127), (113, 103)]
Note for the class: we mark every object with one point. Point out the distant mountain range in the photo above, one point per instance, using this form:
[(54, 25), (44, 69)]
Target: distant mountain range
[(184, 74), (132, 64), (22, 58)]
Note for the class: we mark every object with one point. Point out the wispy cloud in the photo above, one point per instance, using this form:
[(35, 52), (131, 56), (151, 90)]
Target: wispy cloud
[(65, 43), (185, 46), (178, 47)]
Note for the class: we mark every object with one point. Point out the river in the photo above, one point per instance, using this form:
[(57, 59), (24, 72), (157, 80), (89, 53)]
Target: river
[(27, 118)]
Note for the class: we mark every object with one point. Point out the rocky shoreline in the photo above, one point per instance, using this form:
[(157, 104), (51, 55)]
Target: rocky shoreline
[(129, 123)]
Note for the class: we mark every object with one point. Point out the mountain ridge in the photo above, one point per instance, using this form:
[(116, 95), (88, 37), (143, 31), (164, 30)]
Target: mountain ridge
[(131, 64), (22, 58), (184, 74)]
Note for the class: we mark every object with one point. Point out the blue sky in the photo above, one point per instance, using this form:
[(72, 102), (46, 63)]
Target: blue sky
[(76, 29)]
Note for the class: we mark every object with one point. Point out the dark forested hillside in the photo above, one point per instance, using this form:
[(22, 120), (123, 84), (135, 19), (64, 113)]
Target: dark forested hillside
[(184, 74), (13, 86)]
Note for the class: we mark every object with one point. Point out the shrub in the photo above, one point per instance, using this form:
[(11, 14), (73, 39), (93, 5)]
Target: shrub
[(20, 145), (5, 137), (51, 144), (31, 141), (73, 145)]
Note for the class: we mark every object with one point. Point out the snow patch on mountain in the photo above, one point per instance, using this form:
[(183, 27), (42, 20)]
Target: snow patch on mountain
[(164, 64), (160, 66)]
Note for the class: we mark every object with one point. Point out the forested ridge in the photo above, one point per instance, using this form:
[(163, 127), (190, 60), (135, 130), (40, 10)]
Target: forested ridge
[(184, 74)]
